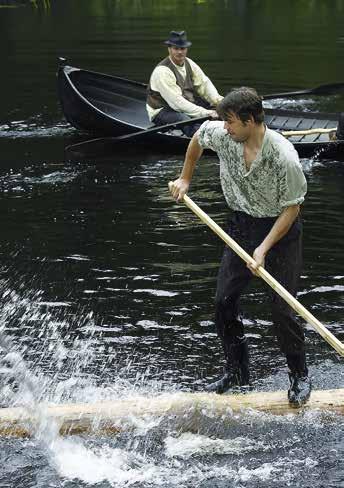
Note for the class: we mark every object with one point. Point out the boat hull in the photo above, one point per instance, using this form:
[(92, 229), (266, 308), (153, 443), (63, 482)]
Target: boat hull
[(104, 105)]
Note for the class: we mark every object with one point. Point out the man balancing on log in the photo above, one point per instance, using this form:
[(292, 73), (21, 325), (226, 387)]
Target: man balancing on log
[(178, 88), (264, 186)]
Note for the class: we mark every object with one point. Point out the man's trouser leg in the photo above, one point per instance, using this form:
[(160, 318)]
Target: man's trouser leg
[(233, 277), (284, 263), (169, 116)]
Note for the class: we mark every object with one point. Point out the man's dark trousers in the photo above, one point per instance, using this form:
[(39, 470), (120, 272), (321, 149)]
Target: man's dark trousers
[(284, 262)]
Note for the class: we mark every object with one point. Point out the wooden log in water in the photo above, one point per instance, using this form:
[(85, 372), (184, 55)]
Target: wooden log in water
[(117, 415)]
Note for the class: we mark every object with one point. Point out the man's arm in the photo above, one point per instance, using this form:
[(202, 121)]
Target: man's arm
[(181, 185), (203, 85), (278, 230), (164, 81)]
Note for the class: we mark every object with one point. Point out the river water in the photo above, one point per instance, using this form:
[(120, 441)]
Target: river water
[(107, 285)]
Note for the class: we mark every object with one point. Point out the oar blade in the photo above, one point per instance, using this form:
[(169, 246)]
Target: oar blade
[(327, 89)]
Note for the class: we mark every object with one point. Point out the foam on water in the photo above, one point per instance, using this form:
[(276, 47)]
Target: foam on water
[(73, 459), (189, 445)]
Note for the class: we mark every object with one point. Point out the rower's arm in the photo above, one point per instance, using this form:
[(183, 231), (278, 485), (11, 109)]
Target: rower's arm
[(180, 186), (164, 81)]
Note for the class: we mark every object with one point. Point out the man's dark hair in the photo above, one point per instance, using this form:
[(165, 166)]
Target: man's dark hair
[(244, 102)]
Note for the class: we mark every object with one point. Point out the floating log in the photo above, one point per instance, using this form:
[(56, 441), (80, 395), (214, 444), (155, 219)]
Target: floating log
[(118, 415)]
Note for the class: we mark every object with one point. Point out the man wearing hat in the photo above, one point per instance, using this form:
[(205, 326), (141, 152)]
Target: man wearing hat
[(178, 89)]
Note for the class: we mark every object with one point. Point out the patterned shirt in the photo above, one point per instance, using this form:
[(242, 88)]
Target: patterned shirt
[(274, 181)]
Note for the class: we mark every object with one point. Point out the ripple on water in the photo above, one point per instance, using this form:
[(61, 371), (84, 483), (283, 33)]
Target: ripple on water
[(34, 127)]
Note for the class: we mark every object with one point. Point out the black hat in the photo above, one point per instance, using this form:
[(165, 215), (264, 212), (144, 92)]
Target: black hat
[(178, 39)]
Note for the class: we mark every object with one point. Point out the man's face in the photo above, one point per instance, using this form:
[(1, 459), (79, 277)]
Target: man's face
[(236, 128), (178, 54)]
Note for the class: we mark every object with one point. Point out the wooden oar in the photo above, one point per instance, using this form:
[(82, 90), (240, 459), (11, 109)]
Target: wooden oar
[(137, 134), (327, 89), (300, 309)]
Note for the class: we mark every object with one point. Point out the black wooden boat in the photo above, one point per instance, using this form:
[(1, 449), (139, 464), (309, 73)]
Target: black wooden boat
[(105, 105)]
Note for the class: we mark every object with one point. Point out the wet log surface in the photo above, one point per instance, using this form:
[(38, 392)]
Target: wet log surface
[(117, 415)]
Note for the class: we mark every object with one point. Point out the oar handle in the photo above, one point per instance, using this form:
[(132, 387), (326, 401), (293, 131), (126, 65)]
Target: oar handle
[(275, 285), (290, 133), (161, 128), (138, 134)]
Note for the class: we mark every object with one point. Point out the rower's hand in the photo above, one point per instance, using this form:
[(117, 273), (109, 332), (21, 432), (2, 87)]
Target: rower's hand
[(259, 257), (178, 188), (213, 114)]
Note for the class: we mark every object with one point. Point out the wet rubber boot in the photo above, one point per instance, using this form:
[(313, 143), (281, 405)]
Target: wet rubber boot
[(236, 371), (300, 384), (299, 390)]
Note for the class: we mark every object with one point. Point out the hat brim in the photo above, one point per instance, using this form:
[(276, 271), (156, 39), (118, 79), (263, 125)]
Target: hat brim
[(185, 44)]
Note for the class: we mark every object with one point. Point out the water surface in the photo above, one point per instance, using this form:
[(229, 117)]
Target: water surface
[(107, 285)]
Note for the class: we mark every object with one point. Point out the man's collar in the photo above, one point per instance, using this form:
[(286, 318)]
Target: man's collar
[(176, 65)]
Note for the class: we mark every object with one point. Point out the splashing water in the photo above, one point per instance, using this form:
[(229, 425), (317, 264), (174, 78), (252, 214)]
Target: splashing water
[(42, 366)]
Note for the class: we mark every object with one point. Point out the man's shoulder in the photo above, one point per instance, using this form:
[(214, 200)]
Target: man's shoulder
[(161, 71), (191, 62), (214, 127), (279, 147), (162, 65), (212, 134), (194, 66)]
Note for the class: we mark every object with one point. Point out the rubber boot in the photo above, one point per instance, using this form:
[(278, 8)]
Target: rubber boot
[(300, 384), (236, 370)]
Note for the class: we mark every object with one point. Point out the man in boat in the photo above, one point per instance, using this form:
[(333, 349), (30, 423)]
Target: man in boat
[(178, 88), (264, 186)]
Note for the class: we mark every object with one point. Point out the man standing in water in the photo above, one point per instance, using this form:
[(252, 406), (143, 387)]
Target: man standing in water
[(178, 88), (264, 186)]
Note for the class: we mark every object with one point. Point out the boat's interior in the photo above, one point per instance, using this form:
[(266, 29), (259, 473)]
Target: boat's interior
[(122, 99), (285, 121)]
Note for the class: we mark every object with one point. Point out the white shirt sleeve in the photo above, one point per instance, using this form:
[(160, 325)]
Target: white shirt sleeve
[(203, 85), (294, 184), (164, 81)]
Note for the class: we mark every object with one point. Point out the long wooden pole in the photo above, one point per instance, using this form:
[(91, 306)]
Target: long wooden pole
[(295, 304)]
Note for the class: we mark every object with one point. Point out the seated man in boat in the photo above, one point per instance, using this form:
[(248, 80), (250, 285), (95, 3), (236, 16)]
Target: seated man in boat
[(264, 186), (178, 89)]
